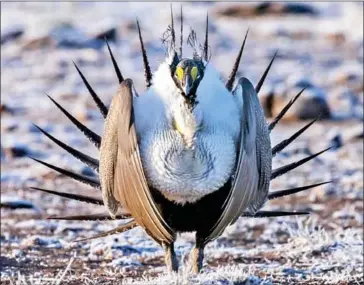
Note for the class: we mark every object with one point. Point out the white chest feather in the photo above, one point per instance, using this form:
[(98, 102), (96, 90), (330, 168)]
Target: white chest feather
[(186, 169)]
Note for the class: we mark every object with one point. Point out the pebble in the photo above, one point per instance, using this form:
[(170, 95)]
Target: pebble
[(36, 224), (265, 9), (17, 151), (125, 262), (15, 203), (11, 33), (341, 137), (67, 36), (311, 104), (42, 241)]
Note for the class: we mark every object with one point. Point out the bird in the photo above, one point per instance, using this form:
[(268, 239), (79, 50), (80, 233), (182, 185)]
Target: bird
[(191, 153)]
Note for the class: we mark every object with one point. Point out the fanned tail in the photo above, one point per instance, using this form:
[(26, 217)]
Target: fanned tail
[(96, 140)]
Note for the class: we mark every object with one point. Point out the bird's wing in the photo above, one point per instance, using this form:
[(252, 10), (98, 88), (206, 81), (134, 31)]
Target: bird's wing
[(251, 180), (121, 173)]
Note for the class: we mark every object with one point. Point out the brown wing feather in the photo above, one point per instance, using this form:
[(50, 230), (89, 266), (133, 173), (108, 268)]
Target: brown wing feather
[(121, 173), (251, 183)]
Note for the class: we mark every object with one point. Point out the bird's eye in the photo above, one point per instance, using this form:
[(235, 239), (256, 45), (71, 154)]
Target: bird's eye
[(194, 72), (179, 73)]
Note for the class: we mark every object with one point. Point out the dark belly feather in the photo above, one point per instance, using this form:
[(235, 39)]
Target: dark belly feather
[(199, 216)]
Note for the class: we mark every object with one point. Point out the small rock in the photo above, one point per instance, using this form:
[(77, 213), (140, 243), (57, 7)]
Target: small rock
[(17, 151), (293, 271), (14, 203), (337, 38), (345, 136), (266, 8), (11, 33), (100, 251), (4, 109), (110, 34), (18, 253), (125, 261), (65, 35), (88, 171), (39, 241), (38, 43), (311, 104), (36, 224)]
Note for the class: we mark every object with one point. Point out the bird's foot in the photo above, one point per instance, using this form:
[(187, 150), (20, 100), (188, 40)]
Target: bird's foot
[(170, 258), (196, 259)]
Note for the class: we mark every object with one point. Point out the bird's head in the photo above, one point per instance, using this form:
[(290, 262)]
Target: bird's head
[(187, 75)]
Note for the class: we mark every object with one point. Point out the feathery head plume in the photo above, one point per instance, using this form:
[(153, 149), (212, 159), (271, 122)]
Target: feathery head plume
[(196, 46)]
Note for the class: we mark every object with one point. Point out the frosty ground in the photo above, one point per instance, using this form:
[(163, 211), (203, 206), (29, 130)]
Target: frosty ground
[(317, 45)]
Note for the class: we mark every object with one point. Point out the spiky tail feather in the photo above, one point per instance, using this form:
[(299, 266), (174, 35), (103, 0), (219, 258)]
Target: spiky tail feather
[(76, 197), (89, 161), (93, 182), (264, 76), (90, 217), (123, 228)]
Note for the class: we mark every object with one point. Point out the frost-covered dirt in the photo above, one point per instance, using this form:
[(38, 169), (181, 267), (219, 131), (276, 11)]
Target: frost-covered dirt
[(320, 46)]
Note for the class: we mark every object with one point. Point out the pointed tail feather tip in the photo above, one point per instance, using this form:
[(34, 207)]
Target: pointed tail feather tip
[(283, 144), (206, 44), (264, 76), (123, 228), (71, 196), (115, 64), (274, 214), (231, 80), (78, 177), (285, 109), (284, 169), (89, 217), (281, 193), (93, 137), (147, 71), (95, 97), (89, 161), (181, 35)]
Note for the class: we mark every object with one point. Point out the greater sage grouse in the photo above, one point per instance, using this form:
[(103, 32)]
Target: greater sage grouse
[(189, 154)]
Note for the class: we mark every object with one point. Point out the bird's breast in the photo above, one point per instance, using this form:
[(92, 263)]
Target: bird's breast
[(187, 173)]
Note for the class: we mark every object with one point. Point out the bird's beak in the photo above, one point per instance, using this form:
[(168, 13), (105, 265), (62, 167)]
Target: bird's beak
[(188, 85)]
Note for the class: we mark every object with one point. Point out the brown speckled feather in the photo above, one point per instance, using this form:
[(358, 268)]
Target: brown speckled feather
[(250, 186), (121, 173)]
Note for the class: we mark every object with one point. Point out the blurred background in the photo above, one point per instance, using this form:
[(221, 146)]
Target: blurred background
[(320, 47)]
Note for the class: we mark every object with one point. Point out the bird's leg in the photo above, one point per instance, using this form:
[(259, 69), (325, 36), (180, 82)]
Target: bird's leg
[(170, 257), (197, 255)]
